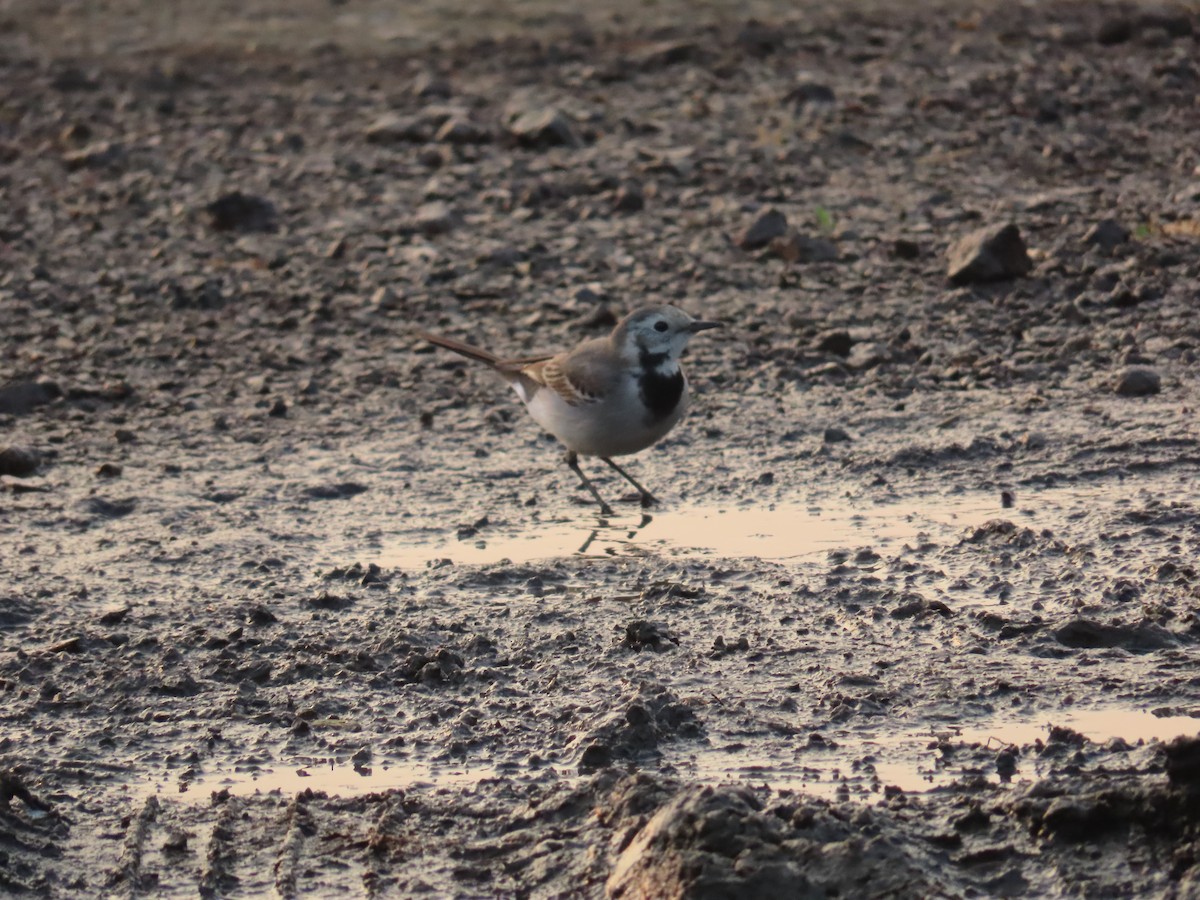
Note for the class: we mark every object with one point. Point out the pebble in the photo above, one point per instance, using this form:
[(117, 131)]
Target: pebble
[(810, 93), (94, 156), (992, 253), (768, 225), (629, 198), (22, 397), (457, 130), (545, 127), (391, 128), (799, 248), (1138, 381), (1106, 234), (237, 211), (835, 435), (434, 217), (19, 462)]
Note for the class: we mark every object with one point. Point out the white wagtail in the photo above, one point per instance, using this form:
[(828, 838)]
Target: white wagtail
[(610, 396)]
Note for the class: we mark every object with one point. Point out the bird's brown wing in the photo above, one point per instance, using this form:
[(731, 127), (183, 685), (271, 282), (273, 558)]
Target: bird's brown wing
[(585, 375)]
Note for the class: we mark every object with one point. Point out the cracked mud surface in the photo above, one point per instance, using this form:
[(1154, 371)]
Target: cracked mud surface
[(917, 615)]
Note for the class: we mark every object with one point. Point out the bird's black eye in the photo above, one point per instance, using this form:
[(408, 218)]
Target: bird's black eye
[(660, 325)]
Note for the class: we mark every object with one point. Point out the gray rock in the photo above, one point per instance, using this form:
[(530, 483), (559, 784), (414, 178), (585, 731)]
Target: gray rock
[(457, 130), (393, 129), (835, 435), (1106, 234), (435, 217), (21, 397), (800, 248), (1137, 381), (629, 198), (237, 211), (545, 127), (769, 224), (430, 84), (18, 461), (810, 93), (989, 254), (94, 156)]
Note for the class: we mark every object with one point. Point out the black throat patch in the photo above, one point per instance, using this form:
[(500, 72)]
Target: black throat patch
[(660, 393)]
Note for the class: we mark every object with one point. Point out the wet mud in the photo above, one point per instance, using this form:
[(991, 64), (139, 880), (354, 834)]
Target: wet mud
[(293, 604)]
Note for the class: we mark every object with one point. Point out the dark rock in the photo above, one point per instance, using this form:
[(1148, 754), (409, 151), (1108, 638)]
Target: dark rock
[(640, 635), (1183, 761), (430, 85), (546, 127), (835, 435), (279, 409), (393, 129), (237, 211), (1116, 29), (629, 198), (19, 462), (94, 156), (903, 248), (989, 254), (457, 130), (1089, 634), (111, 509), (109, 470), (595, 756), (664, 53), (1106, 234), (800, 248), (340, 491), (810, 93), (1138, 382), (759, 39), (839, 343), (22, 397), (434, 218), (768, 225)]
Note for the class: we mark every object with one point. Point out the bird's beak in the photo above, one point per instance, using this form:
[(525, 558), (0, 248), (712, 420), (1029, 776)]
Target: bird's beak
[(704, 326)]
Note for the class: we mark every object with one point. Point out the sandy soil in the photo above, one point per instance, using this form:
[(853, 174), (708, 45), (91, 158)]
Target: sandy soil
[(292, 603)]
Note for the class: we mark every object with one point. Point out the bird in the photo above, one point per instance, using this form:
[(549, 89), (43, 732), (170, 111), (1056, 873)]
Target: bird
[(609, 396)]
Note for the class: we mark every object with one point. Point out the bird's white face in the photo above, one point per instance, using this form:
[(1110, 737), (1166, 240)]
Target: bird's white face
[(658, 334)]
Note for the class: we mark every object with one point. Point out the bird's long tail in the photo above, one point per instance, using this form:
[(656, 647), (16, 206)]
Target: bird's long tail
[(463, 349)]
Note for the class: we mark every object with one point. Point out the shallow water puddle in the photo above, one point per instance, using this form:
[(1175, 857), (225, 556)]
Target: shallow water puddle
[(913, 761), (328, 776), (780, 531), (854, 765)]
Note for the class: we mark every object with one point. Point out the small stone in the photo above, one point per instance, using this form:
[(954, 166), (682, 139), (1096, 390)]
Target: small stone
[(902, 248), (835, 435), (435, 217), (431, 85), (769, 224), (1138, 381), (664, 53), (21, 397), (836, 342), (20, 462), (810, 93), (1106, 234), (237, 211), (546, 127), (1117, 29), (124, 436), (989, 254), (799, 248), (385, 298), (393, 129), (94, 156), (279, 409), (629, 198), (109, 470), (457, 130)]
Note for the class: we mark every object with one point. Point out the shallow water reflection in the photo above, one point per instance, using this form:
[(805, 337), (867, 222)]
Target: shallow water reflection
[(776, 532)]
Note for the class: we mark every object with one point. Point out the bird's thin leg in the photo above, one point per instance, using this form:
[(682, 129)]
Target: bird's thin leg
[(573, 464), (647, 497)]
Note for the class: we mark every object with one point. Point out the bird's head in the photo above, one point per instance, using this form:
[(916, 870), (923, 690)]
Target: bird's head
[(656, 334)]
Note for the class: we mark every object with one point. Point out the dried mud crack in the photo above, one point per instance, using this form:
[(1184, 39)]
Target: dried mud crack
[(278, 613)]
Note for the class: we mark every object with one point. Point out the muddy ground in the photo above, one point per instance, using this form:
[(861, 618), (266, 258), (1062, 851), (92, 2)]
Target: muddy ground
[(236, 484)]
